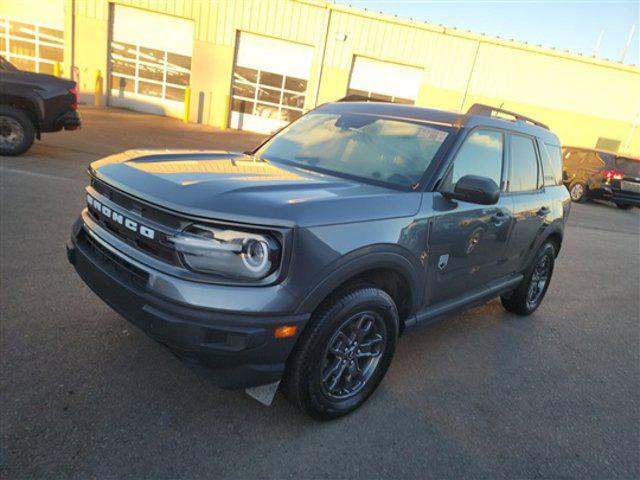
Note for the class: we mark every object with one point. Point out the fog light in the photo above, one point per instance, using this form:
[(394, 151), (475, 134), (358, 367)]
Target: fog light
[(286, 331)]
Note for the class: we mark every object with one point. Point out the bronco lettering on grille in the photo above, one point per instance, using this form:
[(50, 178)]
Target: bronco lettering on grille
[(132, 225)]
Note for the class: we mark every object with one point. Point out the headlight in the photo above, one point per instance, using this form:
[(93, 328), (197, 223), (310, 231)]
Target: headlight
[(230, 253)]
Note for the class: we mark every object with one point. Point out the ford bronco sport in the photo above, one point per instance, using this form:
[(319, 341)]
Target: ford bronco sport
[(304, 260)]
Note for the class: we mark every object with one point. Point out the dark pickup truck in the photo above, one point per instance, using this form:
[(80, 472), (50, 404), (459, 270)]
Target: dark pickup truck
[(33, 103)]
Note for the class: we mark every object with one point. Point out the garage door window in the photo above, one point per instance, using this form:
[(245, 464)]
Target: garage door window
[(380, 96), (31, 47), (147, 71), (384, 81), (267, 94)]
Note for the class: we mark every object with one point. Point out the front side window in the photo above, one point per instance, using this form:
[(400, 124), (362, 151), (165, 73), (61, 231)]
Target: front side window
[(388, 151), (523, 175), (480, 154)]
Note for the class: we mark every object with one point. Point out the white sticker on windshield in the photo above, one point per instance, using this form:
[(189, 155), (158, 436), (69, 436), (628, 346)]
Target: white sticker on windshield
[(432, 134)]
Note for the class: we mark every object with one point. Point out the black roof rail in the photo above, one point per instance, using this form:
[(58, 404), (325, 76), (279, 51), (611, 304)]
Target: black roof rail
[(361, 98), (488, 110)]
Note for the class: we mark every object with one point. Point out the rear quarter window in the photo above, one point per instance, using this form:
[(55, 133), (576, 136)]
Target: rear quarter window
[(552, 164)]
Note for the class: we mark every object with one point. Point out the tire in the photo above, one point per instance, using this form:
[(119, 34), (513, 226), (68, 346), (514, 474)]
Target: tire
[(623, 206), (519, 301), (16, 131), (578, 192), (327, 334)]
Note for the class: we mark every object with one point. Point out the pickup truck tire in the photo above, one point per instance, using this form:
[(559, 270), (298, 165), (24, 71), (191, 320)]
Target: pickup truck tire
[(525, 299), (16, 131), (343, 353)]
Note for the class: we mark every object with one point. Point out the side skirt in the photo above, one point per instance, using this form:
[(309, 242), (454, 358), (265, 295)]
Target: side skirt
[(435, 312)]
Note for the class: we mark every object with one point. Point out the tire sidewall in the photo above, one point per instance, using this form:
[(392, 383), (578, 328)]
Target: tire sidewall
[(549, 250), (28, 131), (366, 299)]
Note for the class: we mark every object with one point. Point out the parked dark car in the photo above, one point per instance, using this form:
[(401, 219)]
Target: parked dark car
[(305, 259), (599, 174), (31, 104)]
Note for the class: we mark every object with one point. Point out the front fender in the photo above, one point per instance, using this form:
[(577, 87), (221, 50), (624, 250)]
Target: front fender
[(359, 261)]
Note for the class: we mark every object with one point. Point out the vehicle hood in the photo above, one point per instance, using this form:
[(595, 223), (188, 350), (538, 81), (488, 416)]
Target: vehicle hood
[(36, 80), (240, 188)]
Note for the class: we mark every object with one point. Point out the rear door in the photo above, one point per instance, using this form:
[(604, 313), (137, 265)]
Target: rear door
[(531, 206), (467, 241)]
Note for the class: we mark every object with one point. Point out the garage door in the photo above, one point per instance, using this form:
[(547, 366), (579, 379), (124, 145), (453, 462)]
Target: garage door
[(269, 83), (385, 81), (150, 61), (32, 37)]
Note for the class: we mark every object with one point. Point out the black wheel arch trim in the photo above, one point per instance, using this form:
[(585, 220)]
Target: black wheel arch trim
[(25, 99), (357, 262)]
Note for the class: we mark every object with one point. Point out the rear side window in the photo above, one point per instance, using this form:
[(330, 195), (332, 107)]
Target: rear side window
[(630, 167), (480, 154), (523, 174), (551, 164)]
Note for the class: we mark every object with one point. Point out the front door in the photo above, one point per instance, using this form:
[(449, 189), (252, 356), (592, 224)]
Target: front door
[(467, 242)]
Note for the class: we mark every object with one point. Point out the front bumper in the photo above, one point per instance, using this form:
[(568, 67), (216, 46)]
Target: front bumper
[(238, 349)]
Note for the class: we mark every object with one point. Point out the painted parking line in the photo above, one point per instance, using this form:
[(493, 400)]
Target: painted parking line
[(34, 174)]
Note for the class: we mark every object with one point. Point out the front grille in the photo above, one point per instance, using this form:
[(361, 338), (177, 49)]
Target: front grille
[(122, 268), (160, 247)]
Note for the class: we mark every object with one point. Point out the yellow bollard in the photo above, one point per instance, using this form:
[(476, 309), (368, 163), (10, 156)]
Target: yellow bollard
[(97, 89), (225, 114), (187, 105), (56, 69)]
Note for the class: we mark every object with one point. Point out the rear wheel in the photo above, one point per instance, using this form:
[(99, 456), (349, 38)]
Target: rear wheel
[(528, 296), (578, 192), (343, 353), (623, 206), (16, 131)]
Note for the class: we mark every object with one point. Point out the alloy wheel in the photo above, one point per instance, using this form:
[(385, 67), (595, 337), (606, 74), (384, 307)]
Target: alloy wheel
[(577, 191), (538, 282), (352, 355)]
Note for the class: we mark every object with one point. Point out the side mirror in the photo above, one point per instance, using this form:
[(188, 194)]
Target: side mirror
[(475, 189)]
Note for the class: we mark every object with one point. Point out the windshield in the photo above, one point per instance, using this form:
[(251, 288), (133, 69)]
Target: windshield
[(390, 151)]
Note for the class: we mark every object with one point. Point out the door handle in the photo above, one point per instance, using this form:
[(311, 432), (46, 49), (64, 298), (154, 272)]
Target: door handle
[(543, 211)]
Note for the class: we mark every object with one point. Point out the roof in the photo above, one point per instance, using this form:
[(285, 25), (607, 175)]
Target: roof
[(443, 117)]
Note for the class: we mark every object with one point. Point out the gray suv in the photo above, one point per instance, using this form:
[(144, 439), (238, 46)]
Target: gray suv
[(303, 261)]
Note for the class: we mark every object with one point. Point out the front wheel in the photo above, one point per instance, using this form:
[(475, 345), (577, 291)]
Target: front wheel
[(343, 353), (525, 299), (16, 131)]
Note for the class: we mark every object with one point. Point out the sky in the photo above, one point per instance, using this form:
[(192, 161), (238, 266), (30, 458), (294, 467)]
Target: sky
[(564, 24)]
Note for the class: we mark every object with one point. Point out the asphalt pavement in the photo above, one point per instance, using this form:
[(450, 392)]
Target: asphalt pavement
[(484, 394)]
